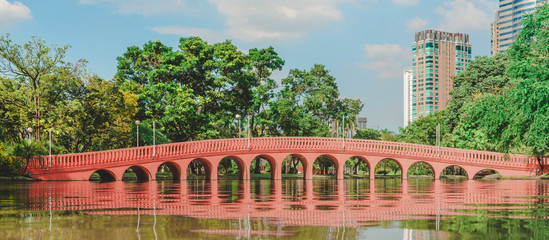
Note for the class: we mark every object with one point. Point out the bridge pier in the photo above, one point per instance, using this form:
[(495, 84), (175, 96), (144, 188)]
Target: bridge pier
[(183, 174), (340, 175), (212, 174), (372, 163)]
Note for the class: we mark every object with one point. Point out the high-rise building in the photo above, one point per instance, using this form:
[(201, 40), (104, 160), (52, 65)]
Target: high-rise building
[(408, 78), (362, 123), (508, 22), (436, 57)]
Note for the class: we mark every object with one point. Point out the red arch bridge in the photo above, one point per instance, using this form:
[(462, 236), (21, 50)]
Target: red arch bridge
[(177, 156)]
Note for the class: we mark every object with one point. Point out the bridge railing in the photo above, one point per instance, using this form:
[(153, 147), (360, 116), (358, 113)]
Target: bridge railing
[(281, 143)]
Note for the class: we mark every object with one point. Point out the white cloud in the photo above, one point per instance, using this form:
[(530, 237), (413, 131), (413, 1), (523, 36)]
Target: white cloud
[(416, 24), (143, 7), (406, 2), (387, 60), (466, 15), (209, 35), (10, 13), (253, 20)]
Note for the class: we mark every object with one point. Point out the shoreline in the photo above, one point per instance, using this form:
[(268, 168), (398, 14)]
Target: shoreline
[(544, 177)]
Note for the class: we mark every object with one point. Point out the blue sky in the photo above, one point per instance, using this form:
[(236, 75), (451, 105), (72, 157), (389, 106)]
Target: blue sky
[(364, 43)]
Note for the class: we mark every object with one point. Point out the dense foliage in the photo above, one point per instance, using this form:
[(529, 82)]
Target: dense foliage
[(499, 103), (192, 92)]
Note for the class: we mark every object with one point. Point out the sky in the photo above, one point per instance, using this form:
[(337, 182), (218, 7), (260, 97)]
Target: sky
[(366, 44)]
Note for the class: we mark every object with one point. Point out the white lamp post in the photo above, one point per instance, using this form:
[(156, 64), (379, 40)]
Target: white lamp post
[(137, 122), (238, 117), (343, 129), (29, 131), (50, 150), (438, 140), (249, 130), (154, 138)]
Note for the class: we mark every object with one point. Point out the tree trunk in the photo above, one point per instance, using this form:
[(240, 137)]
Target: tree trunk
[(287, 168), (26, 166), (294, 165), (541, 165), (257, 166), (193, 168)]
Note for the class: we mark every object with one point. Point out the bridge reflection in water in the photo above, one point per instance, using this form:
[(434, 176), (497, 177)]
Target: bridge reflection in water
[(320, 202)]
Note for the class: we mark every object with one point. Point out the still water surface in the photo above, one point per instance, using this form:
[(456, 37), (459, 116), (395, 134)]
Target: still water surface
[(281, 209)]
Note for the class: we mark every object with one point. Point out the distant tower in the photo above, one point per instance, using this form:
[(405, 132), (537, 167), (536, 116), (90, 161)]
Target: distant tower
[(507, 23), (436, 57), (408, 79), (362, 123)]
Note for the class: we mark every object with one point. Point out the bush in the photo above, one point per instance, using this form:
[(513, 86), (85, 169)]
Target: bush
[(9, 164)]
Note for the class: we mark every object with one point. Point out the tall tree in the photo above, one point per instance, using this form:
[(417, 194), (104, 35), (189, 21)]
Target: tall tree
[(309, 101), (529, 70), (214, 81), (262, 64), (31, 63)]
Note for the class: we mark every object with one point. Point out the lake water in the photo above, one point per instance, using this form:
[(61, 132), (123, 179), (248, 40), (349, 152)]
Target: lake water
[(281, 209)]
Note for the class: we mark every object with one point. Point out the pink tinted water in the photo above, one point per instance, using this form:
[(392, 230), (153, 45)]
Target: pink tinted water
[(326, 208)]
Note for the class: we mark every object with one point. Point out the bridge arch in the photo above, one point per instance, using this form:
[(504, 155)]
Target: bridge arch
[(487, 174), (362, 164), (173, 168), (326, 164), (141, 173), (454, 171), (420, 168), (199, 168), (104, 176), (225, 161), (386, 166), (269, 160), (294, 164)]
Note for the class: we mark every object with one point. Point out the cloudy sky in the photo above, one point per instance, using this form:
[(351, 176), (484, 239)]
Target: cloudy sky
[(366, 44)]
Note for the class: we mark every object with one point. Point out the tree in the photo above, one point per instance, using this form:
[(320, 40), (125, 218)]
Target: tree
[(529, 70), (10, 165), (368, 133), (355, 164), (31, 64), (423, 130), (207, 83), (388, 135), (484, 75), (103, 118), (262, 64), (28, 150), (309, 101)]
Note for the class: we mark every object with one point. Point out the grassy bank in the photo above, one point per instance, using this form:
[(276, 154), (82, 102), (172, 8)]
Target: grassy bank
[(16, 178)]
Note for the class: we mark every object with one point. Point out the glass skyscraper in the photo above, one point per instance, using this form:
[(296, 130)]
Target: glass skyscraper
[(436, 57), (508, 22)]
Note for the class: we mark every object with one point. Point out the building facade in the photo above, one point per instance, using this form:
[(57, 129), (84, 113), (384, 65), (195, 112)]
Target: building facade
[(362, 123), (408, 78), (508, 22), (436, 57)]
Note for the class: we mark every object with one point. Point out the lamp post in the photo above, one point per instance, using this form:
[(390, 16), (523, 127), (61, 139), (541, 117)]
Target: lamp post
[(137, 122), (343, 129), (249, 131), (438, 140), (29, 131), (154, 138), (50, 151), (238, 117)]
